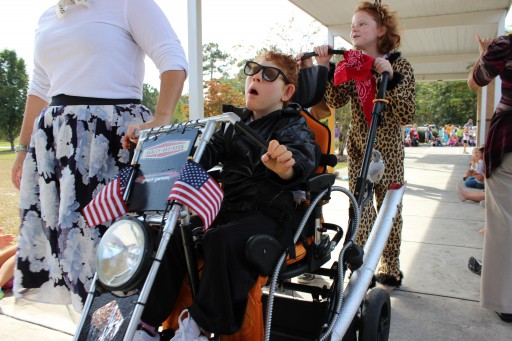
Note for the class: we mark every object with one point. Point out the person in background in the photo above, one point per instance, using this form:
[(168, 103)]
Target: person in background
[(476, 196), (428, 134), (7, 261), (469, 124), (496, 289), (375, 34), (85, 91), (460, 134), (474, 177), (440, 135), (465, 139)]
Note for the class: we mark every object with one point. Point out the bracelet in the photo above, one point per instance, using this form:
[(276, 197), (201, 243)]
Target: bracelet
[(21, 148)]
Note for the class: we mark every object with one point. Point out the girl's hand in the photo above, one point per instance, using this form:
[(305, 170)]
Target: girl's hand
[(382, 65), (279, 160), (323, 57)]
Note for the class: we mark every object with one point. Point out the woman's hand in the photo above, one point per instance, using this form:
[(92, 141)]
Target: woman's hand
[(133, 130), (382, 65), (483, 44), (17, 168), (279, 160), (131, 135)]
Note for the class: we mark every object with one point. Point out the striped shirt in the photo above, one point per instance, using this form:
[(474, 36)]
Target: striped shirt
[(497, 61)]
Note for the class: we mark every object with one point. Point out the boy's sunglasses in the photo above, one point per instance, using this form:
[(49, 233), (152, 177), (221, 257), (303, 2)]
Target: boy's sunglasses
[(269, 73)]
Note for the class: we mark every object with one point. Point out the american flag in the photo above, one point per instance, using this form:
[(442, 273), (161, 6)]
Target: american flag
[(197, 190), (108, 204)]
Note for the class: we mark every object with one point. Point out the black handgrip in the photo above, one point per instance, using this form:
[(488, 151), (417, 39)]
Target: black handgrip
[(312, 54), (250, 133), (131, 150), (381, 92)]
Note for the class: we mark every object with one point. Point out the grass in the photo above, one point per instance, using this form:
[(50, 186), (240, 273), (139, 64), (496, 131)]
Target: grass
[(9, 214)]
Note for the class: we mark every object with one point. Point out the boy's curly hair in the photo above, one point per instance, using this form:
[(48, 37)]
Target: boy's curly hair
[(390, 41), (285, 62)]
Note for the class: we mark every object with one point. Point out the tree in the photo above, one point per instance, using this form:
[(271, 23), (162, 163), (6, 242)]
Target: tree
[(13, 93), (149, 96), (214, 60), (304, 38), (221, 92), (441, 103), (181, 114)]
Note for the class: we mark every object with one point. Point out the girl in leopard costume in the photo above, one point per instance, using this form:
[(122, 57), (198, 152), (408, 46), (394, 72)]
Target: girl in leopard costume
[(374, 33)]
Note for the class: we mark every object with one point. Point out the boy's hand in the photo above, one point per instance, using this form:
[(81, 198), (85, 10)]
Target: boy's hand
[(279, 160)]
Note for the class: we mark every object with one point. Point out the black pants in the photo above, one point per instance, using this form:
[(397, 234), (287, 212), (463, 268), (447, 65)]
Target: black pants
[(226, 279)]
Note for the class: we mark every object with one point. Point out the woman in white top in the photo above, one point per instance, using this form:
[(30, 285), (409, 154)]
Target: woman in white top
[(84, 93)]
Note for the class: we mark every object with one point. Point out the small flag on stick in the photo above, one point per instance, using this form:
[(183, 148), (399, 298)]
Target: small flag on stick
[(108, 204), (196, 189)]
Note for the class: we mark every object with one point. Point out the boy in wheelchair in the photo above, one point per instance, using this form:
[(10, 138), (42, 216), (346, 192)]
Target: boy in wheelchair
[(258, 199)]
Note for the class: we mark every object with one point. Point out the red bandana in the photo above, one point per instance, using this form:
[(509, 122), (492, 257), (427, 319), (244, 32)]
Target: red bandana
[(358, 66)]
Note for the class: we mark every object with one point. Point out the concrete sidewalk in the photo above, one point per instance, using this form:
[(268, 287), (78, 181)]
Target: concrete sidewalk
[(439, 297)]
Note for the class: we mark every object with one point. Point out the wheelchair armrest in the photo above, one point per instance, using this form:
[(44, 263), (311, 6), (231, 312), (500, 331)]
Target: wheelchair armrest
[(263, 251), (320, 182)]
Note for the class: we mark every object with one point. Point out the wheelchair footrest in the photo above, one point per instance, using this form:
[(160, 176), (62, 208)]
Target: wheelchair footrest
[(294, 320)]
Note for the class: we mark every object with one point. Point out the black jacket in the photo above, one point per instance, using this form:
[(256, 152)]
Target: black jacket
[(245, 179)]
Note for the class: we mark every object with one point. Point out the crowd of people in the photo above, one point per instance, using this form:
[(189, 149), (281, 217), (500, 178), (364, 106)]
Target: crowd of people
[(78, 121), (448, 135)]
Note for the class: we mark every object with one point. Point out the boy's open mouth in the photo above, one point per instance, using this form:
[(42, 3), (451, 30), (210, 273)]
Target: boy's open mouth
[(253, 92)]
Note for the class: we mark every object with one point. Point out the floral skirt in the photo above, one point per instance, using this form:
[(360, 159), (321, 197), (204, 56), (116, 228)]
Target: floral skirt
[(74, 151)]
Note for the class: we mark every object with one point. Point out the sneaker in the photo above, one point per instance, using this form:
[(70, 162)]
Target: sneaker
[(475, 266), (188, 329), (305, 278), (142, 335), (505, 317)]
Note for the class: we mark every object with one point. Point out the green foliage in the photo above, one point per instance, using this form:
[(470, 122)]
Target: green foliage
[(441, 103), (13, 93), (214, 60), (149, 96)]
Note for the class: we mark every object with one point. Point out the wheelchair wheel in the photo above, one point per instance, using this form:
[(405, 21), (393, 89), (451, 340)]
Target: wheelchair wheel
[(375, 316)]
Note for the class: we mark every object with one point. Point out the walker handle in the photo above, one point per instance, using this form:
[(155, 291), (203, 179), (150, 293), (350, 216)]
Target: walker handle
[(255, 137), (312, 54)]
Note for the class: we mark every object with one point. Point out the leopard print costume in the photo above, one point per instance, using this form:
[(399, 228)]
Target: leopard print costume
[(389, 141)]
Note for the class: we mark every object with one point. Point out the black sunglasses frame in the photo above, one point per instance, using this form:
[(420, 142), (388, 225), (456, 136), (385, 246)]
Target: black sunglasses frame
[(250, 65)]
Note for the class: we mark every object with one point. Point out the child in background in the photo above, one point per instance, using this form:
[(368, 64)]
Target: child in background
[(7, 261), (452, 142), (475, 177)]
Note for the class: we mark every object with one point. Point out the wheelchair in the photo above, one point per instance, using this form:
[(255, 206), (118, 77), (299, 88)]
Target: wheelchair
[(129, 253)]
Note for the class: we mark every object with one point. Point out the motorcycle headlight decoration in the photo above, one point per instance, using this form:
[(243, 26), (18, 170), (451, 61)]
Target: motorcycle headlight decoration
[(123, 254)]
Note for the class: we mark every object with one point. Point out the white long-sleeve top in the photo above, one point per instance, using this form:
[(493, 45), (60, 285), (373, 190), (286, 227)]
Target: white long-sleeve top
[(99, 51)]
